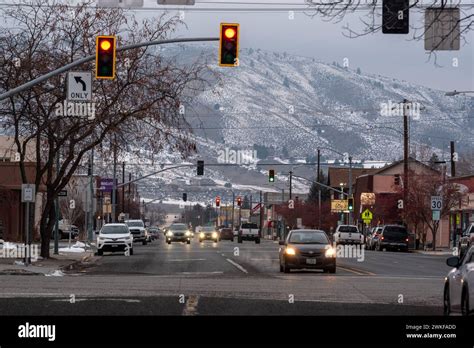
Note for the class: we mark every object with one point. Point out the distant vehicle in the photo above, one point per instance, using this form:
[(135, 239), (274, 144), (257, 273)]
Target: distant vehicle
[(137, 229), (178, 232), (467, 239), (459, 284), (348, 234), (64, 228), (148, 237), (208, 233), (372, 237), (393, 237), (226, 234), (307, 249), (114, 237), (248, 231), (154, 232)]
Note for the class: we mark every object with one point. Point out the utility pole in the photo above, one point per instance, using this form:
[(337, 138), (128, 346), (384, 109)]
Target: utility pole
[(291, 178), (350, 187), (123, 188), (129, 191), (261, 214), (233, 206), (91, 192), (114, 187), (318, 175), (453, 163), (405, 158), (56, 222)]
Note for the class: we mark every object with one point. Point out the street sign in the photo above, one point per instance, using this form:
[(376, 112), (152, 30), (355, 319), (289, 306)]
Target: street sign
[(367, 215), (436, 202), (367, 221), (106, 185), (442, 29), (436, 215), (27, 193), (62, 193), (338, 205), (79, 86), (256, 207)]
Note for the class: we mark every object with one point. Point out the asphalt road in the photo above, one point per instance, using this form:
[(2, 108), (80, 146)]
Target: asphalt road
[(231, 279)]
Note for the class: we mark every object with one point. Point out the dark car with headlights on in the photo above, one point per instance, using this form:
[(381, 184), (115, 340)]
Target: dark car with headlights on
[(307, 249), (209, 233), (178, 233)]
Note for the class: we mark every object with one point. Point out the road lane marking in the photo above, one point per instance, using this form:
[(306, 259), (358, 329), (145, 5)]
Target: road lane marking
[(190, 307), (237, 265), (181, 260), (201, 273), (356, 271), (265, 259)]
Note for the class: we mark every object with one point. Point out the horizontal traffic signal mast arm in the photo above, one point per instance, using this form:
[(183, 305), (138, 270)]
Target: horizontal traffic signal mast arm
[(92, 57)]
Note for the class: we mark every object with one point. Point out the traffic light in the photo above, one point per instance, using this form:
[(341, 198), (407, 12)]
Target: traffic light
[(239, 201), (200, 168), (229, 45), (397, 179), (395, 16), (218, 201), (185, 197), (350, 204), (105, 57), (271, 175)]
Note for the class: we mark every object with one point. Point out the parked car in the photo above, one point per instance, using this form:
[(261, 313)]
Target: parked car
[(466, 240), (114, 237), (248, 231), (137, 229), (208, 233), (348, 234), (307, 249), (373, 237), (64, 228), (393, 237), (178, 232), (459, 284), (226, 234)]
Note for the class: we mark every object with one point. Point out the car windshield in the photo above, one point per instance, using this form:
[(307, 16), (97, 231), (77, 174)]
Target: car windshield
[(178, 227), (308, 237), (395, 231), (114, 230), (134, 223), (348, 229), (249, 225)]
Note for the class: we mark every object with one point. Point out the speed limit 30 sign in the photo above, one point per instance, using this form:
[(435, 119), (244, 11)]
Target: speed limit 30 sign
[(436, 202)]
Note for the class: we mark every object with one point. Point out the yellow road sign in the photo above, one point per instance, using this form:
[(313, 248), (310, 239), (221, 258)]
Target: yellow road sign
[(338, 205), (367, 215)]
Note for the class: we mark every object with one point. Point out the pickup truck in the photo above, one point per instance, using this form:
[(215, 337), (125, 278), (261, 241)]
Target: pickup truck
[(248, 231), (348, 234), (138, 231)]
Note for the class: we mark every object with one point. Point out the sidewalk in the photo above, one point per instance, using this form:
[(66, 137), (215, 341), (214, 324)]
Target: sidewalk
[(54, 266)]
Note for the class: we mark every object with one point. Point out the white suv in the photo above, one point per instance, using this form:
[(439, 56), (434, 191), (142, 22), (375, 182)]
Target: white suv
[(115, 237), (348, 234), (137, 228)]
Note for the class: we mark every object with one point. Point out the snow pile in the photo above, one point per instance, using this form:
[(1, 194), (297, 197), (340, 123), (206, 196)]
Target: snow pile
[(56, 273), (79, 247)]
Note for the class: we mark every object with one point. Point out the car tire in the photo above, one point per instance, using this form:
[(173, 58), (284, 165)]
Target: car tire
[(332, 270), (257, 241), (281, 268), (232, 240), (100, 252), (465, 302), (379, 248), (169, 242), (286, 269), (446, 301), (239, 240), (131, 251), (188, 242), (144, 242)]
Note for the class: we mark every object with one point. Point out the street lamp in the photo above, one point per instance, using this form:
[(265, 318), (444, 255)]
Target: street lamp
[(454, 93)]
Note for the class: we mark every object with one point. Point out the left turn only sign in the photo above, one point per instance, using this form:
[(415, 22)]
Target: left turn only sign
[(79, 86)]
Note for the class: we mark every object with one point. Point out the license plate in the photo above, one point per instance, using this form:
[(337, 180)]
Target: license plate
[(114, 245), (311, 261)]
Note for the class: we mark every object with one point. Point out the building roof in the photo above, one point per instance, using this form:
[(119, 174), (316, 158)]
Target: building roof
[(336, 175), (410, 160)]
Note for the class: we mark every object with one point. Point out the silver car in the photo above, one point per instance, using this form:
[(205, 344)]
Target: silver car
[(459, 284)]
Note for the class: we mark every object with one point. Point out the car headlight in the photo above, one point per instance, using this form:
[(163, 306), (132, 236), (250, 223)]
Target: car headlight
[(188, 233), (331, 252), (169, 234), (214, 235), (290, 251), (201, 235)]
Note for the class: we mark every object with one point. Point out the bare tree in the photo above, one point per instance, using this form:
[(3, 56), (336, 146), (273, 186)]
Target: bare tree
[(140, 106)]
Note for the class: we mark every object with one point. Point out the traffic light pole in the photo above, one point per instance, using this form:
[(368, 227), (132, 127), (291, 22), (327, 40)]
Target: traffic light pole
[(350, 189), (78, 62)]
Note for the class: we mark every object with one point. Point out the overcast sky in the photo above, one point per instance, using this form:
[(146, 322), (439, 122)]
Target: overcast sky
[(391, 55)]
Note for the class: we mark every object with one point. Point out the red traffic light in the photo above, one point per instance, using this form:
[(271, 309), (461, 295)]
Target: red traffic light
[(229, 45), (239, 201), (105, 57), (218, 201)]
